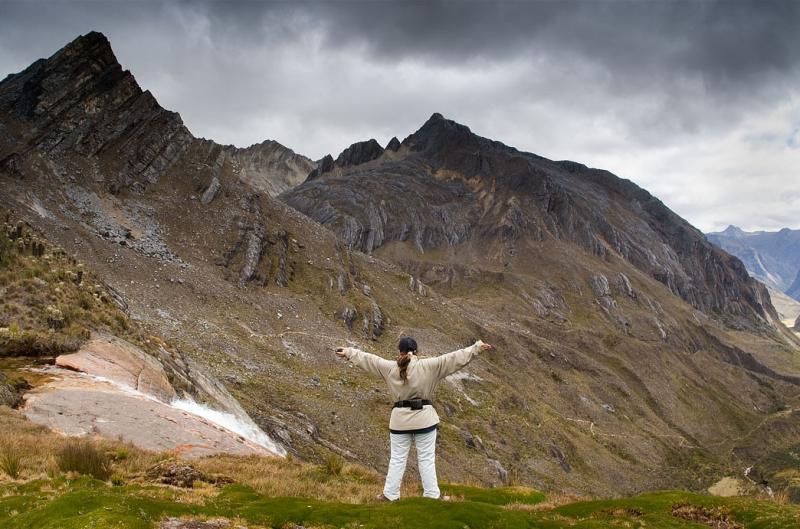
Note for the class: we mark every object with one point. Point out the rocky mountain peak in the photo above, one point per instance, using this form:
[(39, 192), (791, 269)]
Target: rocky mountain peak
[(732, 230), (86, 66), (356, 154), (81, 100), (440, 133)]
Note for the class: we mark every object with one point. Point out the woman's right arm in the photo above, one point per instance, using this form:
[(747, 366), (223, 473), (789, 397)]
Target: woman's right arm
[(369, 362)]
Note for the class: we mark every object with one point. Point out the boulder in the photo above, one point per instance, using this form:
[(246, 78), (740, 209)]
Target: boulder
[(176, 473), (502, 473), (600, 285)]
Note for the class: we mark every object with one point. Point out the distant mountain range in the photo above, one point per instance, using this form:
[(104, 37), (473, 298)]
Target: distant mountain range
[(771, 257)]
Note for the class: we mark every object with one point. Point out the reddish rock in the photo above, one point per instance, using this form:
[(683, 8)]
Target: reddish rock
[(121, 362)]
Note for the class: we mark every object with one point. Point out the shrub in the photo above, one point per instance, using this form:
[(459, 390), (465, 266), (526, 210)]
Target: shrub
[(84, 457), (10, 461), (16, 342), (333, 465)]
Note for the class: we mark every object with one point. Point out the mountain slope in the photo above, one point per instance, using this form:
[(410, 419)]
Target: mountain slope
[(770, 257), (630, 354), (447, 186), (794, 288)]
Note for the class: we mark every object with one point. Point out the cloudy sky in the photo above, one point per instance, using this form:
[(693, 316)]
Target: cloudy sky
[(698, 102)]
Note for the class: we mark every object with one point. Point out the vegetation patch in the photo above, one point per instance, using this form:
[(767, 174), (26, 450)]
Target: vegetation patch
[(49, 303), (716, 517), (84, 457)]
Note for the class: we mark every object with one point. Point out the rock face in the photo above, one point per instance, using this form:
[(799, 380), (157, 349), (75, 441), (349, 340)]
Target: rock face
[(114, 359), (270, 167), (771, 257), (455, 187), (77, 405), (356, 154)]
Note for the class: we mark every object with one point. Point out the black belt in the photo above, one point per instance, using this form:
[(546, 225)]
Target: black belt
[(414, 404)]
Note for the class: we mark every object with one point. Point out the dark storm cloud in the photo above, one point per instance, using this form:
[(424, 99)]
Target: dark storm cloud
[(696, 101), (727, 42)]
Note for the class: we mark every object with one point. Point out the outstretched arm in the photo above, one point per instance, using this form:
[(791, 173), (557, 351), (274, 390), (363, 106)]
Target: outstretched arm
[(449, 363), (369, 362)]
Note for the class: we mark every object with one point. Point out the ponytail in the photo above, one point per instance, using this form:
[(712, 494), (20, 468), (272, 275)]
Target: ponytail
[(402, 362), (406, 346)]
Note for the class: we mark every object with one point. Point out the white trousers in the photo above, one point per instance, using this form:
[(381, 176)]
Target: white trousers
[(426, 459)]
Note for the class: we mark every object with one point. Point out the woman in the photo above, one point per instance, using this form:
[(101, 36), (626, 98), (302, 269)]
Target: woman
[(412, 382)]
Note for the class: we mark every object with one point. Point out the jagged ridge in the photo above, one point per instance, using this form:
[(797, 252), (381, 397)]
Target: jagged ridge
[(80, 99)]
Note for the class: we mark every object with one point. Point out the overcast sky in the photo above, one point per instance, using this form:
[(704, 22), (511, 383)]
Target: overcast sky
[(698, 102)]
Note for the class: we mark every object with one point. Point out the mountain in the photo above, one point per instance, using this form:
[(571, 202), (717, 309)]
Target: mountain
[(771, 257), (630, 354), (81, 101), (447, 187)]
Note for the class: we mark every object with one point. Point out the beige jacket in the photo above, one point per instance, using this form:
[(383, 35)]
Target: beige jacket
[(423, 375)]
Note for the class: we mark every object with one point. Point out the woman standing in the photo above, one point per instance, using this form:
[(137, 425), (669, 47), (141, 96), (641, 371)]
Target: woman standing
[(412, 382)]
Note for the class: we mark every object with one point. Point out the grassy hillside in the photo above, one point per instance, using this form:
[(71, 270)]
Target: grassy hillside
[(49, 481)]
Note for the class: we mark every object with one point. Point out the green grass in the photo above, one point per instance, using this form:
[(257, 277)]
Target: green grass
[(85, 502)]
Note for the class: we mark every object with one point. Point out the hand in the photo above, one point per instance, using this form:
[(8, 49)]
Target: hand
[(485, 347), (340, 352)]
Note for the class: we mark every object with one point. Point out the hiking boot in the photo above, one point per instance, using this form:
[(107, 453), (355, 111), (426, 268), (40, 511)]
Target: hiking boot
[(381, 498)]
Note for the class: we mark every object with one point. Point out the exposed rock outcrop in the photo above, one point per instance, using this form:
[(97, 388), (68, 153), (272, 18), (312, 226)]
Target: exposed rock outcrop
[(356, 154), (374, 322), (270, 167), (114, 359)]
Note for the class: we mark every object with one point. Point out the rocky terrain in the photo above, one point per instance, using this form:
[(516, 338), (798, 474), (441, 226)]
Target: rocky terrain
[(630, 354), (771, 257)]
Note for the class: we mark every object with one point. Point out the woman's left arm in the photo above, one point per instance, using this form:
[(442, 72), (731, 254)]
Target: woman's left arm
[(447, 364)]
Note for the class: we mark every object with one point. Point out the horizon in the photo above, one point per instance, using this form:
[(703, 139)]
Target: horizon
[(706, 121)]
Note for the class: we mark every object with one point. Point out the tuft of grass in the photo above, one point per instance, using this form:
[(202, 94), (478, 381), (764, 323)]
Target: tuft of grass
[(333, 465), (84, 457), (10, 461)]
